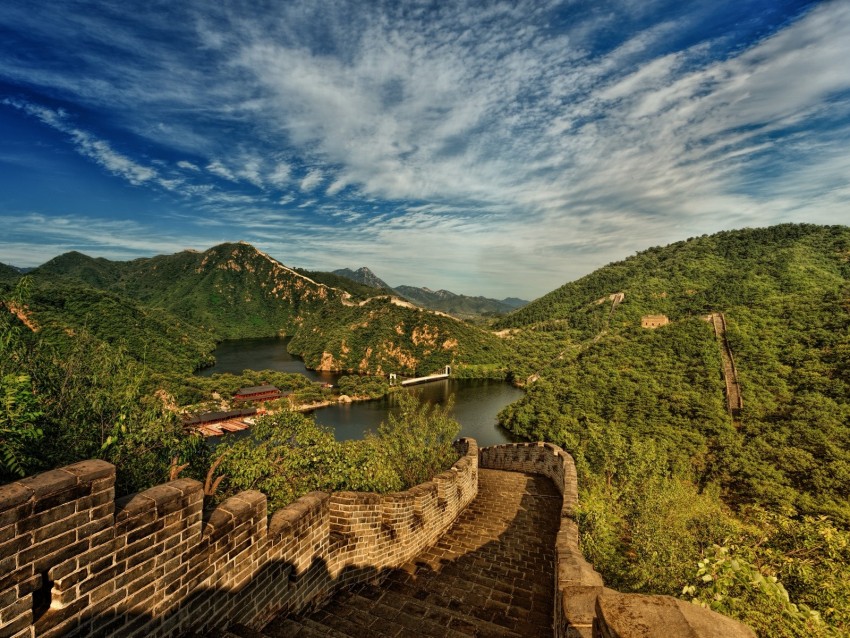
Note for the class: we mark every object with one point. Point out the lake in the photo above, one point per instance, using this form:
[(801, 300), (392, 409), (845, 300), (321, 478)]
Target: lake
[(477, 402)]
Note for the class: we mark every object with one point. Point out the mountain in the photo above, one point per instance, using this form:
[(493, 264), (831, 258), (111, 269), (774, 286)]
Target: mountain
[(9, 273), (60, 311), (785, 294), (676, 488), (357, 290), (458, 305), (97, 272), (363, 276), (514, 302), (233, 290), (442, 300), (385, 335)]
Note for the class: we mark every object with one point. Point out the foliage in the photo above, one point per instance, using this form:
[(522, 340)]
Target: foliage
[(620, 398), (88, 399), (371, 386), (149, 336), (19, 407), (418, 439), (194, 389), (744, 580), (287, 455), (19, 429)]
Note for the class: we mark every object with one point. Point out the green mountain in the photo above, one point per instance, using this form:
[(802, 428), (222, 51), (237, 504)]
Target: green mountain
[(60, 311), (233, 290), (745, 510), (9, 273), (75, 266), (358, 291), (785, 295), (458, 305), (386, 335)]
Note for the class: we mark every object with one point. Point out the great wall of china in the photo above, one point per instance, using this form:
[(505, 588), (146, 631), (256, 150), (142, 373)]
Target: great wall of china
[(76, 562)]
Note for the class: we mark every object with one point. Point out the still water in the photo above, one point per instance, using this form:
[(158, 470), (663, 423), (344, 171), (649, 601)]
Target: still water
[(477, 402), (266, 353)]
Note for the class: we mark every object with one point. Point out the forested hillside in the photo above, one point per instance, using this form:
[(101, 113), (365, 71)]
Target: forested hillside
[(644, 413), (381, 337), (8, 273), (233, 289), (153, 337)]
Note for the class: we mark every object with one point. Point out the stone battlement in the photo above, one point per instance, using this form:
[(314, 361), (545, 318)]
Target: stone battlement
[(74, 561)]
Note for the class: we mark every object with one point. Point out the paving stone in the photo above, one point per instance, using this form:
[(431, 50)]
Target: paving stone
[(491, 575)]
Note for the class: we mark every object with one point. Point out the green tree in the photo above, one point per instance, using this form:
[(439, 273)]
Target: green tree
[(417, 442)]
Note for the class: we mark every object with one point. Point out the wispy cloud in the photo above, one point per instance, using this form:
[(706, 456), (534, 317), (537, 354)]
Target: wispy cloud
[(312, 179), (87, 144), (516, 145)]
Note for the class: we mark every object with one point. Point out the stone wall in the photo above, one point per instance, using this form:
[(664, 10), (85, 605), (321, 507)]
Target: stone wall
[(74, 561), (584, 607)]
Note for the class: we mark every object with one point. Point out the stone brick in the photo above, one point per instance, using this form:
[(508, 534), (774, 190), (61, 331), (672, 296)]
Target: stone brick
[(88, 471)]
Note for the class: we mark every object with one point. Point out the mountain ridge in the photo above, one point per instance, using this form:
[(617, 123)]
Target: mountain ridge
[(233, 290)]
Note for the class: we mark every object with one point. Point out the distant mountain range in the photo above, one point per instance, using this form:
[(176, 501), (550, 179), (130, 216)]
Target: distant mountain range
[(233, 291), (442, 300), (12, 272)]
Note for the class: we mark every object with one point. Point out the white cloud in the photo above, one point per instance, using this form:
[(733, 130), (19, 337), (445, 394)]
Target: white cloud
[(87, 144), (220, 170), (485, 129), (280, 174), (312, 179)]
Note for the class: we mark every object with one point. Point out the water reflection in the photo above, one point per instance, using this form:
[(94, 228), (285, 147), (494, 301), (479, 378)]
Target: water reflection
[(476, 406), (265, 353), (477, 402)]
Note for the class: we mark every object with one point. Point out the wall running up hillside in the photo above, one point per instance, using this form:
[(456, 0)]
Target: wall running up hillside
[(73, 561)]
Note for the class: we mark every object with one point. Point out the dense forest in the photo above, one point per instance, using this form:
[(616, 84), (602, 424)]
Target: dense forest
[(746, 512)]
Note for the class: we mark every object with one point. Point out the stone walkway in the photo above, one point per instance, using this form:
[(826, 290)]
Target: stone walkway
[(491, 575)]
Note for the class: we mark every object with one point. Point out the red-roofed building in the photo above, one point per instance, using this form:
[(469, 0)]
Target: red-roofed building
[(258, 393)]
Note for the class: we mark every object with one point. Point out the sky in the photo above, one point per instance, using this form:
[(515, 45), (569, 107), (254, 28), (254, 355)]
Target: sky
[(487, 148)]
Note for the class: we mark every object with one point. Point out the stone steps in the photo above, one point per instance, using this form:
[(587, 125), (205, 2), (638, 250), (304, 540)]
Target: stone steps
[(490, 576)]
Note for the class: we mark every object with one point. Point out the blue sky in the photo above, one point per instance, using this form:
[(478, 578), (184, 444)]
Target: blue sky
[(494, 148)]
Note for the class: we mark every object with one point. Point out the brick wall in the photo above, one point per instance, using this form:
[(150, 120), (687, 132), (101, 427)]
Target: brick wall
[(584, 607), (74, 561)]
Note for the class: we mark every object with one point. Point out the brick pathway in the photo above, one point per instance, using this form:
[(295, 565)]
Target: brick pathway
[(490, 575)]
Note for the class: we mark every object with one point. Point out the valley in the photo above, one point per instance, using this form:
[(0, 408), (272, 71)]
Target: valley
[(717, 445)]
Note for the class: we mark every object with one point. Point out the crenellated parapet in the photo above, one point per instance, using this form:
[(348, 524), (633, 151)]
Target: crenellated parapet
[(76, 562), (584, 607)]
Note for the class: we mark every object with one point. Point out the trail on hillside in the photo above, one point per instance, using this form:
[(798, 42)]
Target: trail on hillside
[(616, 298), (397, 301), (734, 401)]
